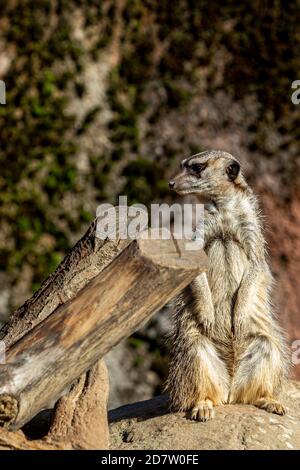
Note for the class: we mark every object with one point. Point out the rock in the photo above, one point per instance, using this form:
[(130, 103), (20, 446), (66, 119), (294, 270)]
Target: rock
[(284, 243), (148, 425), (79, 420)]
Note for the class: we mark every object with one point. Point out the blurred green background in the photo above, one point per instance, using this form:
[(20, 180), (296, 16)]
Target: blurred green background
[(106, 97)]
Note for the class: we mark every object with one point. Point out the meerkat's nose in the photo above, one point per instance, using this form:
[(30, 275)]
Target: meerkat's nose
[(171, 184)]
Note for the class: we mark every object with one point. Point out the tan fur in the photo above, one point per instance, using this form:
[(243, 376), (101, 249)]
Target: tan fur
[(227, 346)]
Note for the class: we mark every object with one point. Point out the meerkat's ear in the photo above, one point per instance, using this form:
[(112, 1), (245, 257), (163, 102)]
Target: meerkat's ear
[(233, 170)]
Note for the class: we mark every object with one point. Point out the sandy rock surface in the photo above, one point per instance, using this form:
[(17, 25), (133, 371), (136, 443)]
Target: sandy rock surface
[(149, 425)]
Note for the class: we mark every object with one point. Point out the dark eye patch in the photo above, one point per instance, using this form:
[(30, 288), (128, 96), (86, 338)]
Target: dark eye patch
[(197, 168)]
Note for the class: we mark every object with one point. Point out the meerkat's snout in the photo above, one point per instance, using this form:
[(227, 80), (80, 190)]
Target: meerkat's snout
[(177, 183)]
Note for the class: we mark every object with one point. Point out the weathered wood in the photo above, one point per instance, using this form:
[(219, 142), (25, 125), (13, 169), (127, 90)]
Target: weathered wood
[(87, 258), (140, 280)]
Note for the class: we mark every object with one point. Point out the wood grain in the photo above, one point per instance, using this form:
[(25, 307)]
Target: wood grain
[(139, 281)]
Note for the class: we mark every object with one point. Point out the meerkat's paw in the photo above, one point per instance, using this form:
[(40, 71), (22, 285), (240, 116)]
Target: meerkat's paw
[(206, 317), (203, 411), (271, 406), (207, 326), (207, 323)]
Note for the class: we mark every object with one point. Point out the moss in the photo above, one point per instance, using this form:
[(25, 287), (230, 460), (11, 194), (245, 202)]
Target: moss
[(144, 182), (135, 342), (37, 135), (166, 57)]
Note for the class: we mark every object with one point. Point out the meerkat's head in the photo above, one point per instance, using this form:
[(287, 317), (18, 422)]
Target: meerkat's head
[(208, 175)]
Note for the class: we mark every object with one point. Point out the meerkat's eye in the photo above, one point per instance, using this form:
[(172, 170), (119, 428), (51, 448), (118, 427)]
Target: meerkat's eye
[(197, 168)]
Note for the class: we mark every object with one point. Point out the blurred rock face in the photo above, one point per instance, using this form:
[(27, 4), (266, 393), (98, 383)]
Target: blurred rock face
[(284, 242), (105, 98)]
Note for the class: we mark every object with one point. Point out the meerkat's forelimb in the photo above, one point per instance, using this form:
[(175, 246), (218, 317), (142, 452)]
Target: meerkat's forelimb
[(203, 304)]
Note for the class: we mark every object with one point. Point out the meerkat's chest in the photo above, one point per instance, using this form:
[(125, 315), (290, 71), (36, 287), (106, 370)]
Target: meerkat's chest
[(227, 262)]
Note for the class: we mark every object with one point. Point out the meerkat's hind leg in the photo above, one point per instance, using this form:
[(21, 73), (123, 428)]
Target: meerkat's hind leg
[(198, 378), (270, 405), (259, 373)]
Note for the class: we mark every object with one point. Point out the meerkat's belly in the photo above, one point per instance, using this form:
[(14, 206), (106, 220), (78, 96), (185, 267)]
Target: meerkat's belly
[(227, 263)]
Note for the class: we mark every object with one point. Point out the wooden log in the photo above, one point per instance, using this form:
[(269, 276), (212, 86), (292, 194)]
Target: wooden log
[(139, 281), (87, 258)]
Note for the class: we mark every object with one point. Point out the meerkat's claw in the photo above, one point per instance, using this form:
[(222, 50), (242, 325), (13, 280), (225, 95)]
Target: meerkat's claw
[(203, 411), (271, 406)]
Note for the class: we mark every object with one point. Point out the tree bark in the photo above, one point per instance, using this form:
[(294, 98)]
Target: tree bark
[(88, 258), (139, 281)]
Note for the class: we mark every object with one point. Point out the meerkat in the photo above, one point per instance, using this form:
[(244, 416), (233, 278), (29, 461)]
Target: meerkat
[(226, 345)]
